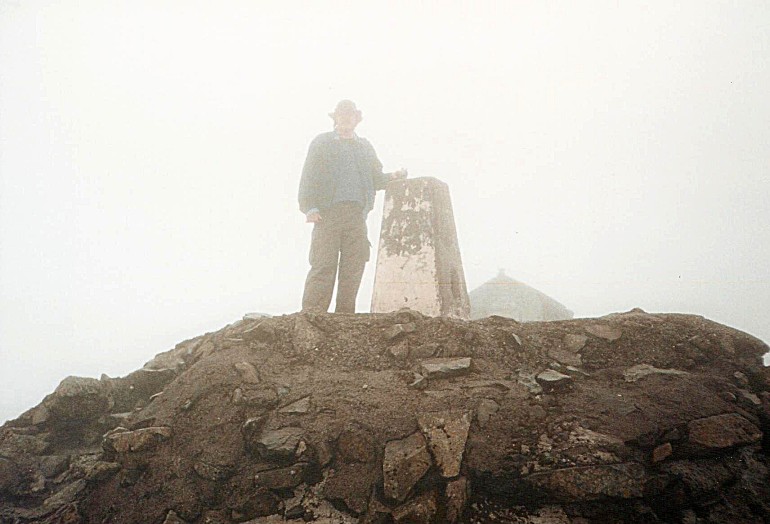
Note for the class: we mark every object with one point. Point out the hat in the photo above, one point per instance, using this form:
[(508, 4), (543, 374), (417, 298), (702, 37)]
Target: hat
[(345, 107)]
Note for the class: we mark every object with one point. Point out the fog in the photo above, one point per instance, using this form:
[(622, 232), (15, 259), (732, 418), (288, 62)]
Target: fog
[(610, 154)]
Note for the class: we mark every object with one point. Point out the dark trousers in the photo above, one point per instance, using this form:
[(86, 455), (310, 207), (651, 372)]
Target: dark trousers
[(339, 243)]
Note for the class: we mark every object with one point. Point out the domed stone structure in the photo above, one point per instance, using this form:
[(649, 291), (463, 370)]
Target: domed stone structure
[(510, 298)]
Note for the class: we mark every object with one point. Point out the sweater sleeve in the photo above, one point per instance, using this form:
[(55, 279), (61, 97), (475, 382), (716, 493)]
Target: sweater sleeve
[(308, 184)]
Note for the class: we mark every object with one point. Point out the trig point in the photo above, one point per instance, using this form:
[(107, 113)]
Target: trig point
[(418, 261)]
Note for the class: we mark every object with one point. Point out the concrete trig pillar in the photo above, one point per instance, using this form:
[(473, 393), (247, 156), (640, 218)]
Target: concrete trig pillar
[(418, 260)]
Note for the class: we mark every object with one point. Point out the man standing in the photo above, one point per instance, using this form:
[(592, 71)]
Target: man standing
[(336, 192)]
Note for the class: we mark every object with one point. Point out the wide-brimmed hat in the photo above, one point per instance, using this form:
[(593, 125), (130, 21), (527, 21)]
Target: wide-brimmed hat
[(345, 107)]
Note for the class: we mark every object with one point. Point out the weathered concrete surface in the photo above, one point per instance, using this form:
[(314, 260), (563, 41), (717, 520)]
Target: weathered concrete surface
[(418, 262)]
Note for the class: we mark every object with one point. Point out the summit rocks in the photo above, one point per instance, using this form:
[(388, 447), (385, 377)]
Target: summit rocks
[(400, 417)]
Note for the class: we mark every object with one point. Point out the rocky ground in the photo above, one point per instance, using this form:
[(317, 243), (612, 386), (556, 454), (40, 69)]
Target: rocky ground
[(631, 417)]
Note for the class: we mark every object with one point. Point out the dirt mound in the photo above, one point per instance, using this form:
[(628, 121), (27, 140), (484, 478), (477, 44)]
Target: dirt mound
[(632, 417)]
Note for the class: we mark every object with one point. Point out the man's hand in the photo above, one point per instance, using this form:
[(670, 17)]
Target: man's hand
[(313, 217), (401, 174)]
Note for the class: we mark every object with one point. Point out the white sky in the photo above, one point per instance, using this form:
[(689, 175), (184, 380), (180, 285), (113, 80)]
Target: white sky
[(611, 154)]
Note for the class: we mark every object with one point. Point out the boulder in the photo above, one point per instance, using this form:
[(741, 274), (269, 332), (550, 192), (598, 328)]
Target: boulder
[(76, 400), (404, 463), (446, 433), (722, 431)]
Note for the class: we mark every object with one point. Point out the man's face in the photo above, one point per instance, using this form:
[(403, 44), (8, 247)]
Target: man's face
[(346, 121)]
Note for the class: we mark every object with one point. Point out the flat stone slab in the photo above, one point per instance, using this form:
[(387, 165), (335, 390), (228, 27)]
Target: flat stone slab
[(445, 367), (640, 371), (405, 462), (722, 431), (446, 433)]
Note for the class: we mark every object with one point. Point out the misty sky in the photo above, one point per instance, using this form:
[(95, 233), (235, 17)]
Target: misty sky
[(610, 154)]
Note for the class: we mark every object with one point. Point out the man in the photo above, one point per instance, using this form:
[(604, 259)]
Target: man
[(336, 192)]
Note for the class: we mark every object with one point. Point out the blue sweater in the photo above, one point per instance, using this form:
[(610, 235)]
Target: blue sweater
[(330, 172)]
